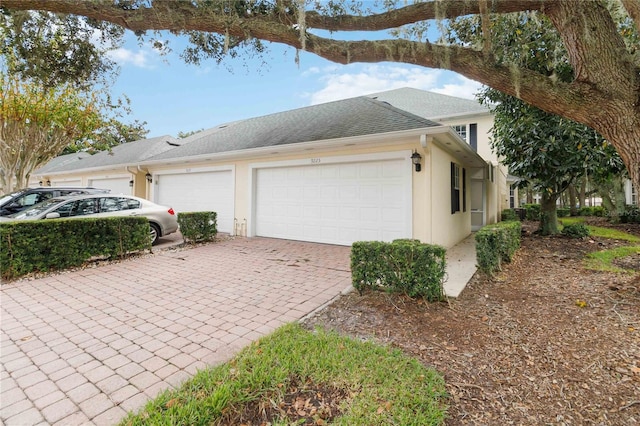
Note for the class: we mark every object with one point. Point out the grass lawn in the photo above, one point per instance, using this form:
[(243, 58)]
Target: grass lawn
[(278, 378), (603, 260)]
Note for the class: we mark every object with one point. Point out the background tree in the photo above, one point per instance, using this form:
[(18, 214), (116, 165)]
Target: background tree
[(36, 124), (182, 135), (113, 131), (58, 49), (548, 151), (600, 41)]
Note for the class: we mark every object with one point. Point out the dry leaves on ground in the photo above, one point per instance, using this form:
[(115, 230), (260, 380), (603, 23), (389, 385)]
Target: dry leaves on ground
[(544, 342)]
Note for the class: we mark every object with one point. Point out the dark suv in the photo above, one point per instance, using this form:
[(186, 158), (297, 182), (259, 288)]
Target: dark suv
[(20, 200)]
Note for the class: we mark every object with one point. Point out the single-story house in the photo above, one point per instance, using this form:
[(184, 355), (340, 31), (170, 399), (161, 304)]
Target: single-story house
[(344, 171)]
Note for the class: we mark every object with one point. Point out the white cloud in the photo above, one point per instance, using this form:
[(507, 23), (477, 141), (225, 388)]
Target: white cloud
[(357, 80), (462, 88), (124, 56)]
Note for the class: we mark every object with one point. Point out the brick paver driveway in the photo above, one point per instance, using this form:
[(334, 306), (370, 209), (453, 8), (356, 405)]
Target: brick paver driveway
[(85, 347)]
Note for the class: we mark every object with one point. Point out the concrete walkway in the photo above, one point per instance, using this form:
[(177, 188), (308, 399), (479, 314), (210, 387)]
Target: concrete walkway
[(461, 265), (85, 347)]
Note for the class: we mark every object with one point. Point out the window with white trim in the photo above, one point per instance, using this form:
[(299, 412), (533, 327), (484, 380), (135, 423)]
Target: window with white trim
[(455, 188), (461, 130)]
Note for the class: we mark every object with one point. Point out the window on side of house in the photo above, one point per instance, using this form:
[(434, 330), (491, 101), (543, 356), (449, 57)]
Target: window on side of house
[(461, 130), (455, 188), (512, 196), (473, 136)]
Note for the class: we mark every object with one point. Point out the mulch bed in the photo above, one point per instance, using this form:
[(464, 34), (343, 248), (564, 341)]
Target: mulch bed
[(544, 342)]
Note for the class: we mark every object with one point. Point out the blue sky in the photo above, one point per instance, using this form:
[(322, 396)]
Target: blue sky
[(172, 96)]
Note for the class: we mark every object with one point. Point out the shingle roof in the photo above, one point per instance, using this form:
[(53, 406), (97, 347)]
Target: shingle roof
[(124, 154), (61, 161), (333, 120), (433, 106)]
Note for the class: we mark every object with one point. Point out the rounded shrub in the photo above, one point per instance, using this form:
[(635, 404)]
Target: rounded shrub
[(576, 230)]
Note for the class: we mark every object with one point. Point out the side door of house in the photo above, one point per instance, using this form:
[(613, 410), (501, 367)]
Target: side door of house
[(477, 204)]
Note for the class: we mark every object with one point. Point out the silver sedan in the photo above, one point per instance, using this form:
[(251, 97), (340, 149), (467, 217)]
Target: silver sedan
[(162, 220)]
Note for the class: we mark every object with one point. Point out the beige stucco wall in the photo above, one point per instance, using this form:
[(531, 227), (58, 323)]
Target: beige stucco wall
[(447, 229)]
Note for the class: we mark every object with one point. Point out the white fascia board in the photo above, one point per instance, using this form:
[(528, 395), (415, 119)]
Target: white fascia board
[(451, 142), (462, 115), (99, 169)]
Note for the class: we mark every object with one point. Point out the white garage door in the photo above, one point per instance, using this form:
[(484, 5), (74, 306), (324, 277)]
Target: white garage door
[(335, 203), (116, 185), (202, 191), (74, 183)]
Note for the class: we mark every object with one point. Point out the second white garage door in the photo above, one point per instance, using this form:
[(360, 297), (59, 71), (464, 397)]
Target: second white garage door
[(75, 183), (200, 191), (116, 185), (335, 203)]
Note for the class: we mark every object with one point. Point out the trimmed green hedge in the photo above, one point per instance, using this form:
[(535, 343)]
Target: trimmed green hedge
[(45, 245), (198, 226), (598, 211), (508, 214), (496, 244), (403, 266), (533, 211)]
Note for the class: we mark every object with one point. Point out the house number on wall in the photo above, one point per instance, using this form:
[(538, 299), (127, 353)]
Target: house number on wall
[(315, 160)]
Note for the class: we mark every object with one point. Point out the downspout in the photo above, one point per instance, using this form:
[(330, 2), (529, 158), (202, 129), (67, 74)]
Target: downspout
[(426, 141)]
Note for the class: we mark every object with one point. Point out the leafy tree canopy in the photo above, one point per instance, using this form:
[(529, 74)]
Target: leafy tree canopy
[(182, 135), (36, 124), (61, 52), (58, 49), (600, 40)]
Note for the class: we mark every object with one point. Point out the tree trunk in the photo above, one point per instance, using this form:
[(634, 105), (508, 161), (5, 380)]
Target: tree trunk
[(620, 196), (573, 200), (548, 214), (583, 192), (609, 205)]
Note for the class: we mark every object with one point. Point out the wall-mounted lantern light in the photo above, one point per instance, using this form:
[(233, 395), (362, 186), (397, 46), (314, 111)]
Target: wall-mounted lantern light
[(48, 182), (41, 183), (149, 177), (131, 183), (415, 159)]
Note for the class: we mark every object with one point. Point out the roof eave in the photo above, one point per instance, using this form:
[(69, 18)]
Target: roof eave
[(319, 146), (451, 142), (461, 115)]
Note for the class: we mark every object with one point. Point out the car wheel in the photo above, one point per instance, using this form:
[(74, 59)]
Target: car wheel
[(155, 232)]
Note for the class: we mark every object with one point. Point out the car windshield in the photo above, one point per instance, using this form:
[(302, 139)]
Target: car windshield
[(35, 210), (7, 197)]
